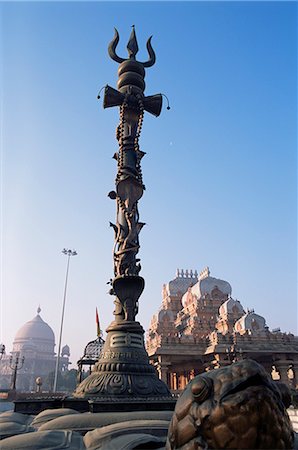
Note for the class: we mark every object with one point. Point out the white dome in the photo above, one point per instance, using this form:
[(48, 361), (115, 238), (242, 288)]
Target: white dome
[(166, 314), (251, 322), (232, 307), (35, 329), (206, 286)]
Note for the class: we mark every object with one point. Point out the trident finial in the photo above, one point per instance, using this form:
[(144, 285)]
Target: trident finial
[(132, 45), (132, 48)]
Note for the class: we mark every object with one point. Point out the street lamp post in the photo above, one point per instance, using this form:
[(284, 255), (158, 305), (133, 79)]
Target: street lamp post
[(17, 365), (68, 253)]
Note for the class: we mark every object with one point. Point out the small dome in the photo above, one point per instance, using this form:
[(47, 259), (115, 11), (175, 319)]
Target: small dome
[(165, 314), (35, 329), (207, 284), (250, 322), (65, 350), (231, 307), (93, 349)]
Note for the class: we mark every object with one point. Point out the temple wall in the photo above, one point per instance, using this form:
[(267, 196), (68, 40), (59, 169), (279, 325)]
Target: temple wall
[(293, 414)]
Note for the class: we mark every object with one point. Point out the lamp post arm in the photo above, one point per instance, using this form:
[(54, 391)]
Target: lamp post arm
[(15, 367)]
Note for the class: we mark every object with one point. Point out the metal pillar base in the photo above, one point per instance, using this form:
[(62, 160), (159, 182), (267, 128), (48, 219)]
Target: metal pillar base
[(123, 370)]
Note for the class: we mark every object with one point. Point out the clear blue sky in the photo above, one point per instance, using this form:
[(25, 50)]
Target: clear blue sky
[(220, 169)]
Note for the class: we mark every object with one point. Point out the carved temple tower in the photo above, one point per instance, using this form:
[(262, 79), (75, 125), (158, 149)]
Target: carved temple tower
[(199, 326)]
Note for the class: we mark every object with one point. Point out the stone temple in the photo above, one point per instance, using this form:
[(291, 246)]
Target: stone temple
[(199, 327), (35, 340)]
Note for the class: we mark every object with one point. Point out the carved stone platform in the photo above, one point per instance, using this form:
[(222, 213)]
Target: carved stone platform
[(34, 406), (123, 373)]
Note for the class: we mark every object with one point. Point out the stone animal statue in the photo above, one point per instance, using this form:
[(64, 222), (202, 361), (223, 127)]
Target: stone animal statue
[(234, 407)]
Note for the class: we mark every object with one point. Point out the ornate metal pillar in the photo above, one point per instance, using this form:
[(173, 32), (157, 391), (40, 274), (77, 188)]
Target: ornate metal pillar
[(123, 370)]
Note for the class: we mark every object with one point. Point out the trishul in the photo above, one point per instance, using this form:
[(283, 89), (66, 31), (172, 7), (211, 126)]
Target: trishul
[(132, 48), (131, 76), (129, 183)]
